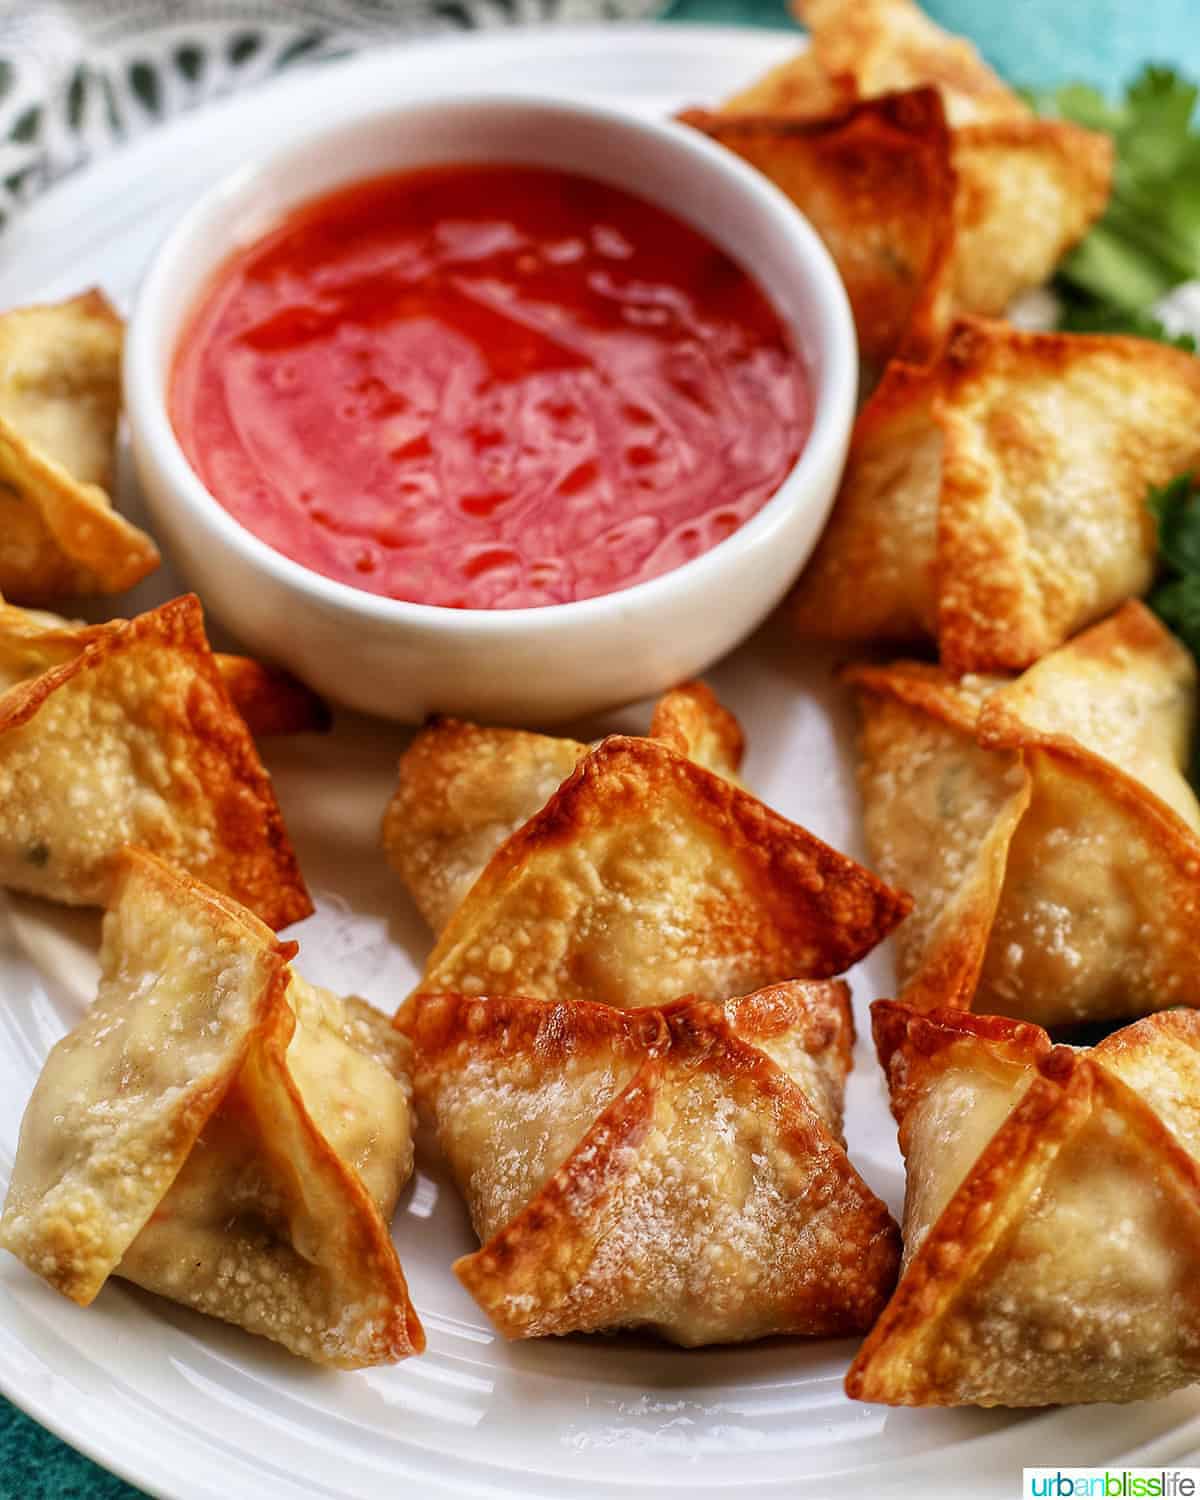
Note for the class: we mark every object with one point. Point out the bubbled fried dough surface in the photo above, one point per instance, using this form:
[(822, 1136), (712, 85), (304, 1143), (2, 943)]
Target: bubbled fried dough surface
[(1051, 1215), (220, 1133), (125, 734), (651, 1167), (646, 877), (115, 1112), (59, 401), (1032, 522), (1044, 824), (464, 788)]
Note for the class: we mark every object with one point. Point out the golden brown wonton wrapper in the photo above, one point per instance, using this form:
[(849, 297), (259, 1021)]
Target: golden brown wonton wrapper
[(1044, 826), (60, 394), (646, 876), (996, 500), (220, 1132), (799, 88), (655, 1168), (693, 720), (125, 733), (1026, 189), (1052, 1216), (270, 700), (877, 185), (465, 788), (884, 45)]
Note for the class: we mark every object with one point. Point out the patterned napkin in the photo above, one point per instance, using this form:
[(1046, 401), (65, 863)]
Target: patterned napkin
[(78, 76)]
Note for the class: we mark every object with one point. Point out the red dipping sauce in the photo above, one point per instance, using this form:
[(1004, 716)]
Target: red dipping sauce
[(488, 387)]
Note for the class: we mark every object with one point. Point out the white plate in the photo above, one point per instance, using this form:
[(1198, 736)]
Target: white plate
[(186, 1407)]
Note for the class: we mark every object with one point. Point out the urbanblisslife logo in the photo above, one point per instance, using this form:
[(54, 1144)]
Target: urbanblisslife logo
[(1112, 1484)]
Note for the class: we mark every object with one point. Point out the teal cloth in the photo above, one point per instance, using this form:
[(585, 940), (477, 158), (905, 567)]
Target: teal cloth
[(1035, 42)]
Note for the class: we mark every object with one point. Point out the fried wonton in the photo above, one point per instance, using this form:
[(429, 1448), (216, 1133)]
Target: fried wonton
[(221, 1133), (1052, 1218), (1028, 190), (799, 88), (885, 45), (1025, 189), (655, 1169), (465, 788), (1043, 825), (270, 700), (996, 500), (125, 734), (877, 185), (647, 876), (60, 394), (693, 720)]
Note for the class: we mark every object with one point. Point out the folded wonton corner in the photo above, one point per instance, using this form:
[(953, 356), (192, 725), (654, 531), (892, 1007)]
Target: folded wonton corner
[(996, 500), (656, 1168), (270, 699), (1052, 1216), (60, 395), (1024, 189), (464, 788), (125, 734), (876, 183), (647, 876), (1044, 825), (221, 1133), (884, 45)]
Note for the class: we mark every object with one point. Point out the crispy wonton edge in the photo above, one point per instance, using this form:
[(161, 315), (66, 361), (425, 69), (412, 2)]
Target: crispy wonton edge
[(888, 1366), (531, 1261), (283, 897)]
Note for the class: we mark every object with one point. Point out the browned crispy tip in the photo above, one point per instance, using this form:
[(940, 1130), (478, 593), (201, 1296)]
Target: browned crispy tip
[(909, 1040), (878, 185), (271, 700), (883, 45), (815, 1011), (692, 719)]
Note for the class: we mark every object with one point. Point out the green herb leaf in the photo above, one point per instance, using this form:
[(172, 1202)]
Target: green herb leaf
[(1149, 238), (1176, 509), (1176, 600), (1084, 315)]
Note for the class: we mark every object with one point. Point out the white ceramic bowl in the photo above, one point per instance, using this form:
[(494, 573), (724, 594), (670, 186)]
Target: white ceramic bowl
[(531, 666)]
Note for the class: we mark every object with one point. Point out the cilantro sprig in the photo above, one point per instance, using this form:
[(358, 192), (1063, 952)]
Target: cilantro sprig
[(1176, 599), (1149, 238)]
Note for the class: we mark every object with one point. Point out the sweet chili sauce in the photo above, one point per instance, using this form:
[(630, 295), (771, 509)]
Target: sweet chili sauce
[(488, 387)]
